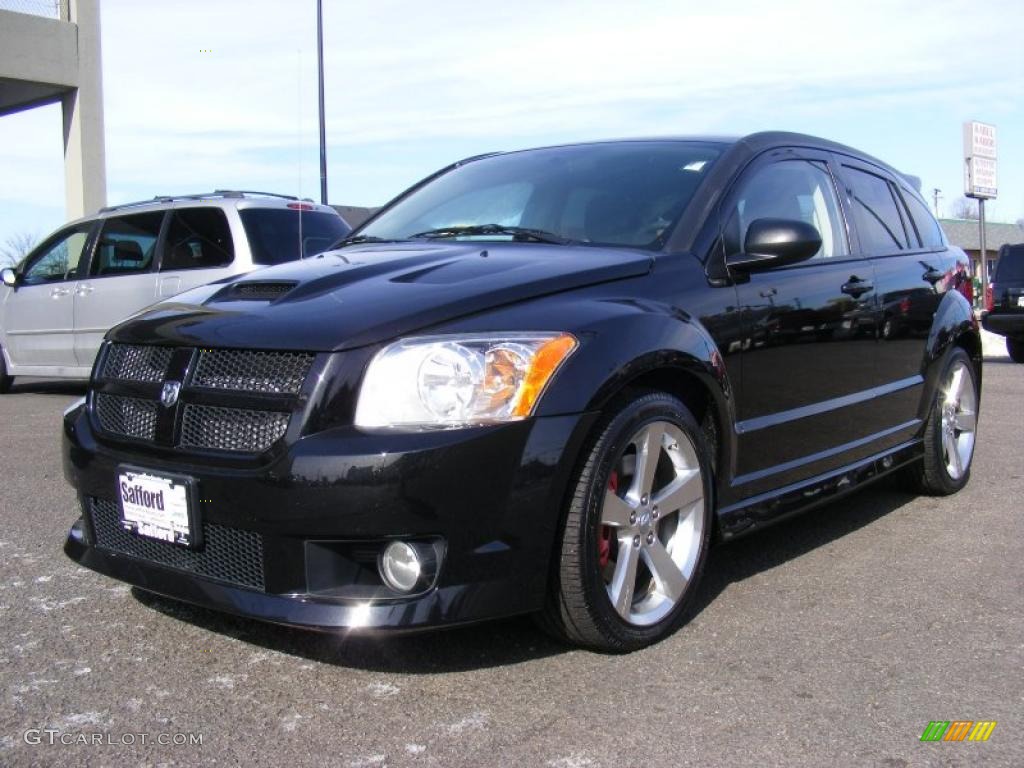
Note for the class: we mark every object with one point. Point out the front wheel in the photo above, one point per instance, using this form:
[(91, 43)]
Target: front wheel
[(950, 432), (1015, 349), (637, 530), (5, 380)]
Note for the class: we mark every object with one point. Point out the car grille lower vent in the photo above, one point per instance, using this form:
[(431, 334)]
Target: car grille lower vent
[(126, 416), (227, 554), (231, 429), (252, 371)]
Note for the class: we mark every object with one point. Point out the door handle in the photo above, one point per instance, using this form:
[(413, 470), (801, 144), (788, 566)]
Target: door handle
[(856, 287), (83, 290), (56, 293), (932, 275)]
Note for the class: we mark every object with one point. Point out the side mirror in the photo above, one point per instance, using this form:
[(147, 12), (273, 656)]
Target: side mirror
[(776, 243), (9, 277)]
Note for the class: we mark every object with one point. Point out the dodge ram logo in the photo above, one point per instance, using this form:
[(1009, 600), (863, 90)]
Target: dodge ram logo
[(169, 394)]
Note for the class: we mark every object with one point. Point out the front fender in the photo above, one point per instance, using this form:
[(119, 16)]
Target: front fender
[(954, 324)]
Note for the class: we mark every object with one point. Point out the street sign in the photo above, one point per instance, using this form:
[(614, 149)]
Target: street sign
[(980, 179)]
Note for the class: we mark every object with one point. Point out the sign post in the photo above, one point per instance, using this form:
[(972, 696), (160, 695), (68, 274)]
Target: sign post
[(980, 181)]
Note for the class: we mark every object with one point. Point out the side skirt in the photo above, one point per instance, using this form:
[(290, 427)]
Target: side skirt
[(758, 511)]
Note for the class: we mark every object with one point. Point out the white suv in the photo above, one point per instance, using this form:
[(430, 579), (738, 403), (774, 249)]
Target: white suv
[(97, 271)]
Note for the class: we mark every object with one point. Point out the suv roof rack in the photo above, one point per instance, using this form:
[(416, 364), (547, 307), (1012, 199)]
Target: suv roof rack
[(226, 193)]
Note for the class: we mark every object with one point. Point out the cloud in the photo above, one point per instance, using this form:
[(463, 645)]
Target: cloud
[(201, 94)]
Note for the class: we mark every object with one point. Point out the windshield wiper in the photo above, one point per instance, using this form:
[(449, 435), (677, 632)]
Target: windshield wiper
[(360, 239), (538, 235)]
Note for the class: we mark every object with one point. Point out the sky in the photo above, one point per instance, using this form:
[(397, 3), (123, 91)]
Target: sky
[(204, 94)]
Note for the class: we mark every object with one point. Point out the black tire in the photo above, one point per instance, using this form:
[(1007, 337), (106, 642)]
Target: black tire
[(579, 606), (5, 380), (932, 475), (1015, 349)]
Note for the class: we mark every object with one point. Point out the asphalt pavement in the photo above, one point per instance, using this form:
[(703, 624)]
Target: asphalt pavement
[(830, 640)]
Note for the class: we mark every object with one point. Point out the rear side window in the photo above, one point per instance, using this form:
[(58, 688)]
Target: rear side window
[(875, 212), (127, 244), (1010, 267), (927, 226), (277, 235), (197, 238)]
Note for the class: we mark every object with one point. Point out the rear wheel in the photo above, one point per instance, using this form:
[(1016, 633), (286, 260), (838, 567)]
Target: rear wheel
[(950, 433), (1015, 348), (637, 531)]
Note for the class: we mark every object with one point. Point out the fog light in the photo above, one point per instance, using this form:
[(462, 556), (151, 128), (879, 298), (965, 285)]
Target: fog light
[(401, 566)]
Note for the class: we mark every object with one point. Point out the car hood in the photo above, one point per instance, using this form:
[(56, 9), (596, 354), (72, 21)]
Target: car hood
[(366, 294)]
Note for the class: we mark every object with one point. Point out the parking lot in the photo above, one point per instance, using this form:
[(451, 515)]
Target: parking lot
[(832, 639)]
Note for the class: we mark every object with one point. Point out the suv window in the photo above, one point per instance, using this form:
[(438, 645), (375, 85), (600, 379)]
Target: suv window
[(927, 227), (127, 244), (875, 211), (799, 190), (275, 234), (60, 259), (1010, 267), (197, 238)]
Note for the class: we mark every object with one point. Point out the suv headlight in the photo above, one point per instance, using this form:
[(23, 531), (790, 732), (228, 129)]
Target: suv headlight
[(455, 381)]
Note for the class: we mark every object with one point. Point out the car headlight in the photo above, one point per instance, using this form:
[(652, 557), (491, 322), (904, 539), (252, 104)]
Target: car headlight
[(455, 381)]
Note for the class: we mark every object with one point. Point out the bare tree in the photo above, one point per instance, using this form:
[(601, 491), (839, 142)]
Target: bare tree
[(16, 247), (964, 208)]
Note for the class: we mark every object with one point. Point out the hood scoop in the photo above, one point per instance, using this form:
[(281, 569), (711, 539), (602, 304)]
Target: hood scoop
[(255, 290)]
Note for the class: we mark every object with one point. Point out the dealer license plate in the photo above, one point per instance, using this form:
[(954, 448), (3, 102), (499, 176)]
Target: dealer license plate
[(156, 507), (1020, 301)]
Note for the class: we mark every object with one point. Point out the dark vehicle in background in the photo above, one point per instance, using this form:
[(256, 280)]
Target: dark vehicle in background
[(96, 271), (537, 382), (1005, 314)]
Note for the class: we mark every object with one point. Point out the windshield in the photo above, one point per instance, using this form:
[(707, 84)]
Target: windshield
[(621, 193), (275, 234)]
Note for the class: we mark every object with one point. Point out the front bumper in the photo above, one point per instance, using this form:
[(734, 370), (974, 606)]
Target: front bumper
[(1004, 323), (321, 509)]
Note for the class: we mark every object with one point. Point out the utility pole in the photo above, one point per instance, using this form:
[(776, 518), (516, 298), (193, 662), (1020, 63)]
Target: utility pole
[(320, 70), (936, 195)]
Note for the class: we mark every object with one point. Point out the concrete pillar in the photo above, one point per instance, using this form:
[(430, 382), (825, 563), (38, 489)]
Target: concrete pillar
[(85, 172)]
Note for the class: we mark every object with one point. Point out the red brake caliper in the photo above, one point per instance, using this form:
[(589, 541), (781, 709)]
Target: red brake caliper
[(604, 541)]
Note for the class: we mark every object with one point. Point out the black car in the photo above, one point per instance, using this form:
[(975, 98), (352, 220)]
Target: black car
[(1006, 303), (537, 382)]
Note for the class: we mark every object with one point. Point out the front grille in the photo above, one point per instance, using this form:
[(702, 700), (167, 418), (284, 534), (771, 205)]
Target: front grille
[(227, 554), (231, 429), (132, 362), (252, 371), (126, 416)]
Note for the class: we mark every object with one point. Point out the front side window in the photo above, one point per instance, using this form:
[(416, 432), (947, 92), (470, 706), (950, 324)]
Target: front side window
[(60, 259), (127, 244), (799, 190), (197, 238), (875, 212), (619, 194)]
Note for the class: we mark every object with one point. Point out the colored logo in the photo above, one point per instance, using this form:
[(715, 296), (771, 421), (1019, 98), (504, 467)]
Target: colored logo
[(169, 394), (958, 730)]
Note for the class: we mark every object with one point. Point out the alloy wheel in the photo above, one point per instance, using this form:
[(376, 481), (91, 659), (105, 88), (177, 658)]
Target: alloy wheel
[(652, 521), (959, 417)]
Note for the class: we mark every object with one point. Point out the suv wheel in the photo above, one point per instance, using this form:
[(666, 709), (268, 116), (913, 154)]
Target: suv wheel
[(637, 530), (949, 435), (5, 380), (1015, 348)]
